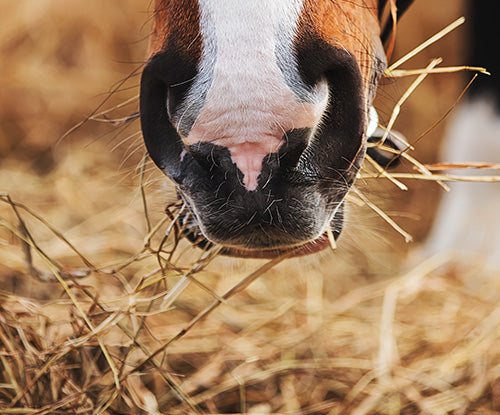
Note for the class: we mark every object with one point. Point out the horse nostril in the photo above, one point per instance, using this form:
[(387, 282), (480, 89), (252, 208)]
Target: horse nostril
[(205, 155), (296, 143), (254, 162)]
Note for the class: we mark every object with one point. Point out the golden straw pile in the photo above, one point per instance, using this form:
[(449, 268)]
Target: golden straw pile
[(106, 309)]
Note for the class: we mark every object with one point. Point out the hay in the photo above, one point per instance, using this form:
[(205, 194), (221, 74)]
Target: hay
[(137, 341), (104, 309)]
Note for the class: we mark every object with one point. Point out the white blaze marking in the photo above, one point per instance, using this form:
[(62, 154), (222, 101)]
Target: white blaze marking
[(249, 106)]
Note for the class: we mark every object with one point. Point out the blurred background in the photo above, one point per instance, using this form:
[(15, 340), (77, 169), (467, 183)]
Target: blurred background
[(63, 62)]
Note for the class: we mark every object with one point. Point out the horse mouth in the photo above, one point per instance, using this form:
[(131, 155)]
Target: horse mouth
[(307, 248), (191, 231)]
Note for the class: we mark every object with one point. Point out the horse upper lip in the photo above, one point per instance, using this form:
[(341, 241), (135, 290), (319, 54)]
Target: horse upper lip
[(198, 239)]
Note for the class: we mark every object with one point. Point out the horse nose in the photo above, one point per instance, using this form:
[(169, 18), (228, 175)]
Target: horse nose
[(251, 159), (296, 142), (236, 162), (207, 155)]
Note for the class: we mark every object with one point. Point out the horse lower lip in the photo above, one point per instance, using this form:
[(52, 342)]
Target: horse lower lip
[(194, 235), (307, 248)]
